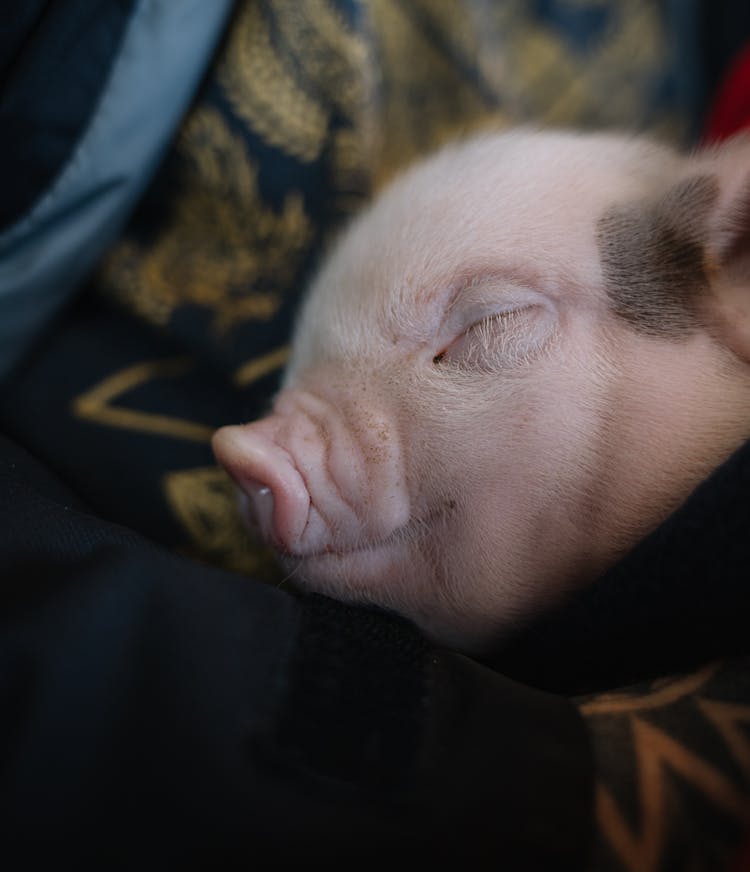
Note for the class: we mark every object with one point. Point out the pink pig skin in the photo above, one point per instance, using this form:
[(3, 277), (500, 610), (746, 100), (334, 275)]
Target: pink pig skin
[(514, 365)]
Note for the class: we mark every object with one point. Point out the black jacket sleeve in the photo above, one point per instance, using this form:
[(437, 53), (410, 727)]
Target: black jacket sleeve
[(158, 713)]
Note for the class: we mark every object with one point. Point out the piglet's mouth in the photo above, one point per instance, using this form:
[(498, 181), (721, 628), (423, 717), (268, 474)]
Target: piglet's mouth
[(409, 533), (256, 510), (401, 535)]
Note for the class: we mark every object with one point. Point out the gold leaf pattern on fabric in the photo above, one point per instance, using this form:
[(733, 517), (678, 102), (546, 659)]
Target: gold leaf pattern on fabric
[(223, 248), (664, 692), (264, 91), (732, 722), (660, 758), (204, 500), (335, 61), (288, 68), (100, 405), (649, 742), (340, 67), (258, 367), (450, 67), (428, 96)]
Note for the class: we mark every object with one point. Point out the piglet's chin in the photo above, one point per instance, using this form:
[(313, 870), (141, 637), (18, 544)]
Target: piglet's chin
[(362, 574), (392, 577)]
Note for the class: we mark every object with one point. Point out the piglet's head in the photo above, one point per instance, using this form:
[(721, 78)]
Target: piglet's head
[(515, 364)]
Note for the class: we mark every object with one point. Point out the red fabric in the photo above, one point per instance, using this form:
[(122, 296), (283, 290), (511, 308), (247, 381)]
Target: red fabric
[(731, 108)]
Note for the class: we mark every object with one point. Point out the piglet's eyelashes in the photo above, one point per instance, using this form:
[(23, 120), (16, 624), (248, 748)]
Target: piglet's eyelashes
[(500, 339)]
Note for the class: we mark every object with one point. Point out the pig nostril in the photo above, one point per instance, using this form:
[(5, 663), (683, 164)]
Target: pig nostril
[(247, 513), (256, 504)]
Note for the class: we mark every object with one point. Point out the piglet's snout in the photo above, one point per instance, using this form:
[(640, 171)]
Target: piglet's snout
[(313, 480), (273, 493)]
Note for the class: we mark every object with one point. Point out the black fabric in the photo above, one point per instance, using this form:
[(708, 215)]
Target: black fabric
[(376, 702), (130, 680), (55, 60), (680, 598), (17, 30), (159, 714), (483, 774), (507, 777)]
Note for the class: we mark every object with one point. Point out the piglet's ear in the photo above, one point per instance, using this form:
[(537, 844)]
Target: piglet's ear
[(728, 244), (730, 231)]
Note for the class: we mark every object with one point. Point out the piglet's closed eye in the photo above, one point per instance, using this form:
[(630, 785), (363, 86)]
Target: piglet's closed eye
[(495, 328)]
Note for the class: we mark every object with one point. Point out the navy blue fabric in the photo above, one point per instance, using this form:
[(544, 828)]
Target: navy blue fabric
[(96, 164), (50, 91)]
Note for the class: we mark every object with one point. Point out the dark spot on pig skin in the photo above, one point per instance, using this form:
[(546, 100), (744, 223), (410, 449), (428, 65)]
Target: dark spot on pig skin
[(653, 257)]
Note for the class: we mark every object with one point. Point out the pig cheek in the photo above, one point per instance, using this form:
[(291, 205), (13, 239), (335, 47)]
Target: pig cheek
[(488, 505), (476, 580)]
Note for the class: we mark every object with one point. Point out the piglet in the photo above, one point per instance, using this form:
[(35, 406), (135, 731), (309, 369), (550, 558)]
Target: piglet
[(514, 365)]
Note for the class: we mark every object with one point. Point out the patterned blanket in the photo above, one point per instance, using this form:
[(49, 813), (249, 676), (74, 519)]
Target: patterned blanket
[(306, 110)]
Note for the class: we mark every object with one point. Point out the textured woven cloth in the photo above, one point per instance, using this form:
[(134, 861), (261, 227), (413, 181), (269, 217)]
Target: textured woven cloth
[(164, 709)]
